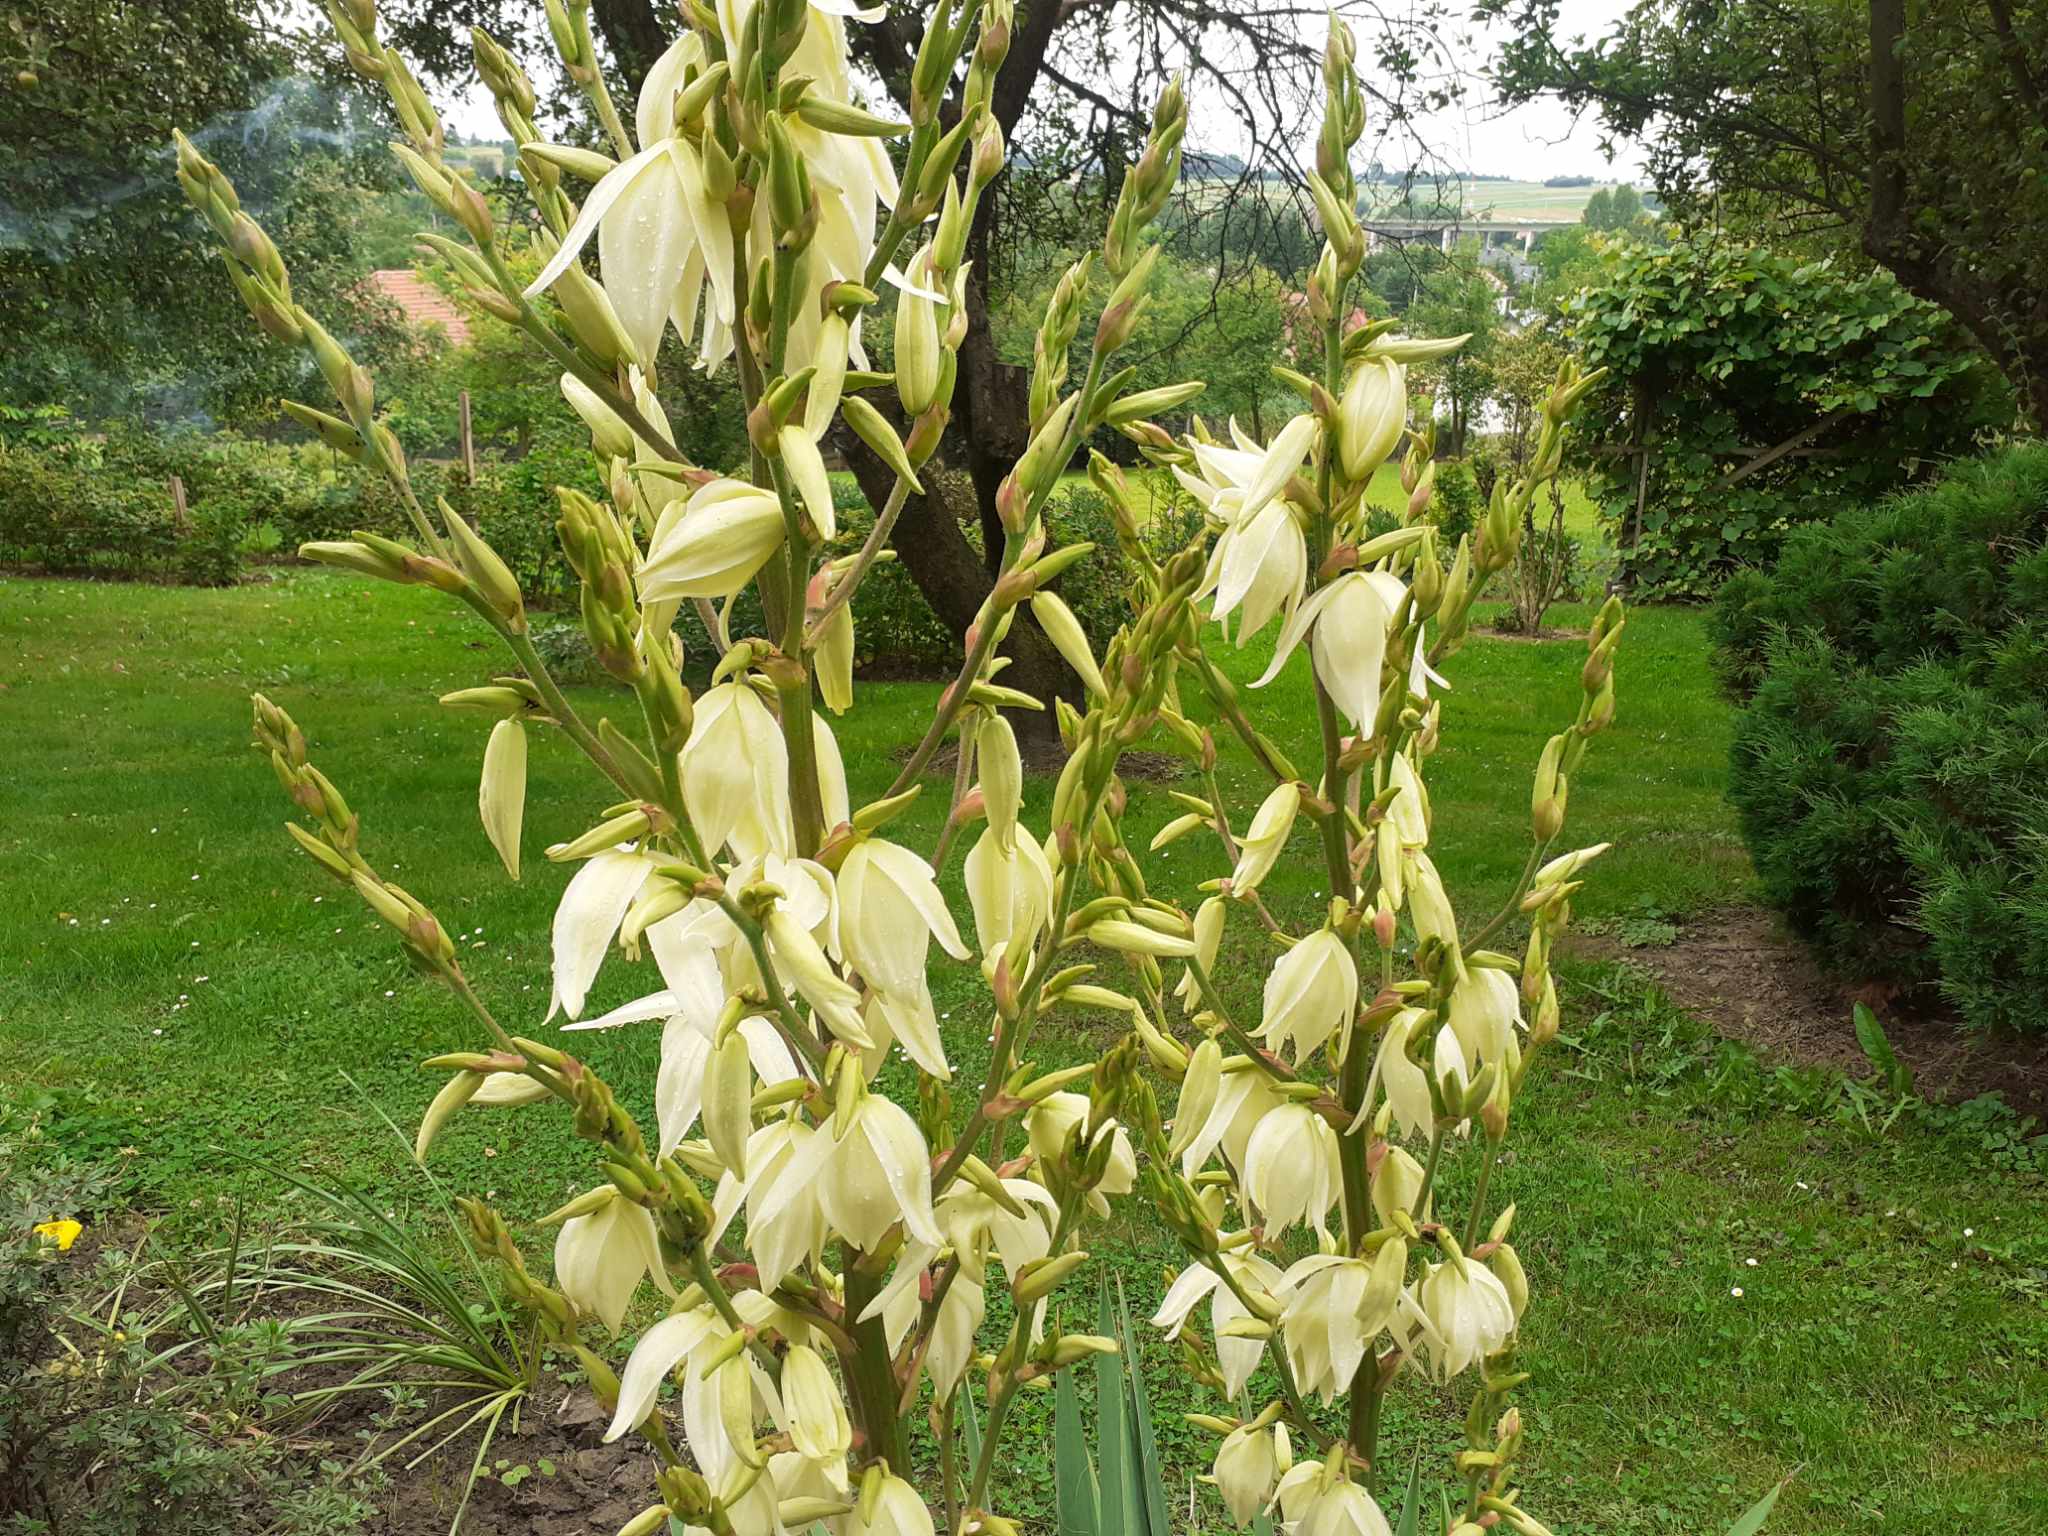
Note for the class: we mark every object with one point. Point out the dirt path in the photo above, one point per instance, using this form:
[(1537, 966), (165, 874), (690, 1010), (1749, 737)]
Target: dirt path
[(1740, 971)]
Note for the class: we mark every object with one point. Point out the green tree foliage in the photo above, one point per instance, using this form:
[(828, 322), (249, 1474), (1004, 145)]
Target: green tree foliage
[(1459, 298), (1914, 134), (109, 297), (1886, 766), (1613, 209), (1748, 392)]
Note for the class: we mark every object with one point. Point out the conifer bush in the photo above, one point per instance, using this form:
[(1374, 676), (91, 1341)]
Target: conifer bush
[(1888, 760)]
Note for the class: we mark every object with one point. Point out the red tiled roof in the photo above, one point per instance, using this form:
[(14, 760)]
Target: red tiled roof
[(423, 304)]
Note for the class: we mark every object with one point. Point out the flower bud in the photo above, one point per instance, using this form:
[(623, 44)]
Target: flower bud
[(1064, 630)]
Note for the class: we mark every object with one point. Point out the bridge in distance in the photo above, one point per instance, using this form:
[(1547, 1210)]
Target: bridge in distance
[(1447, 232)]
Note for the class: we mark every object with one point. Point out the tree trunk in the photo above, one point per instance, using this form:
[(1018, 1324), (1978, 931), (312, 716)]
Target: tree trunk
[(636, 36), (1930, 268), (954, 579), (989, 430)]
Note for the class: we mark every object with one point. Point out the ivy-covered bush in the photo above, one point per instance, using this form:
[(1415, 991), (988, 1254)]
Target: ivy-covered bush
[(1889, 759), (1747, 393)]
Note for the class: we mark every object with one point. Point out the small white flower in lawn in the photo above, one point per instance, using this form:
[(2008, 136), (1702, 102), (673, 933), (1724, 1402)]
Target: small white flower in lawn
[(1735, 1290)]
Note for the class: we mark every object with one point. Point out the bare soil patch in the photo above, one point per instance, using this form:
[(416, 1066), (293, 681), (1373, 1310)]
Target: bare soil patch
[(1542, 637), (593, 1490), (1739, 970)]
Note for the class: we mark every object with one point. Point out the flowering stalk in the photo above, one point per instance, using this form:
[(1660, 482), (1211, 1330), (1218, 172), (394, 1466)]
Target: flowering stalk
[(822, 1255)]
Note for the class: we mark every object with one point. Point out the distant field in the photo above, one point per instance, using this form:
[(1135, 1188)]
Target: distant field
[(1512, 199)]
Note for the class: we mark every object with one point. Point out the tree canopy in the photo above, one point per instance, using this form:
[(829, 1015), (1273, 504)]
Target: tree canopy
[(1915, 135), (109, 297)]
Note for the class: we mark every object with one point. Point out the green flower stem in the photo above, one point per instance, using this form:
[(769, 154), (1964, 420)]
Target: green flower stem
[(963, 781), (848, 584), (949, 1468), (1267, 1062), (792, 1025), (991, 1435), (601, 384), (1478, 1212), (558, 704), (1224, 697), (869, 1371)]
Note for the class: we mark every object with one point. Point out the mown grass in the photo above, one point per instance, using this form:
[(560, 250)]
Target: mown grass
[(177, 986)]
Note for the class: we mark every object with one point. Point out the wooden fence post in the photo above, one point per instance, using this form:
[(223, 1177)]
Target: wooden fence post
[(181, 514), (468, 443)]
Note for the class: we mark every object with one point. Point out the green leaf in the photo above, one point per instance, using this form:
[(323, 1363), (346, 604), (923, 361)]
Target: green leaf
[(1151, 1477), (970, 1428), (1754, 1518), (1115, 1473), (1410, 1520), (1871, 1036), (1076, 1496)]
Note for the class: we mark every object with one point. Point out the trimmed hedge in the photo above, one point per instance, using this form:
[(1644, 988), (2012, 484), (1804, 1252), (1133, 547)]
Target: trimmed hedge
[(1890, 763)]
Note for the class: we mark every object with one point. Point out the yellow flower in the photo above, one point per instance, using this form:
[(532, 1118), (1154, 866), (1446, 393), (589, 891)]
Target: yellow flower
[(63, 1233)]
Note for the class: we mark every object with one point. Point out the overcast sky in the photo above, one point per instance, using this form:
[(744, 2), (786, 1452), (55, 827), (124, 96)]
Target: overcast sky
[(1539, 140), (1531, 142)]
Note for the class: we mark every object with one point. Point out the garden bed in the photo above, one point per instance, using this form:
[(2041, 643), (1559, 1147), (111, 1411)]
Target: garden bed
[(1738, 970)]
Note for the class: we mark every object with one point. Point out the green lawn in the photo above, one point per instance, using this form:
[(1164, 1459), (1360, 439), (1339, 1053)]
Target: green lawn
[(176, 984)]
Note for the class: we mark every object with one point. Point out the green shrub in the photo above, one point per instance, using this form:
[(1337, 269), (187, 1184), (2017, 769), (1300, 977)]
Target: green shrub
[(1456, 503), (1888, 761)]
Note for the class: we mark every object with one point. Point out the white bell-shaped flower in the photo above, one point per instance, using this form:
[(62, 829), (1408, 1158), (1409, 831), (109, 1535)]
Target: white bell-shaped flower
[(1010, 889), (1311, 994), (973, 1219), (781, 1194), (889, 905), (660, 237), (1261, 566), (712, 544), (1259, 849), (1405, 1083), (1291, 1172), (1317, 1502), (1208, 925), (1371, 416), (602, 1256), (894, 1509), (1243, 1099), (1334, 1308), (736, 773), (1346, 624), (593, 905), (814, 1406), (879, 1173), (1248, 1465), (1470, 1311), (1396, 1182), (1409, 810), (1486, 1006), (660, 1350), (1238, 1357)]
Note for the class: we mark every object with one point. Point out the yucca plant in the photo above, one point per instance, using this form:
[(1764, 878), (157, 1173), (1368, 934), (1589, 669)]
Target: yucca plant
[(363, 1304), (1117, 1484)]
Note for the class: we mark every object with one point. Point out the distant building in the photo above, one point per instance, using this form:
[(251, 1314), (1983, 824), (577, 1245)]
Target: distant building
[(424, 306)]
